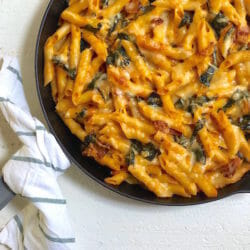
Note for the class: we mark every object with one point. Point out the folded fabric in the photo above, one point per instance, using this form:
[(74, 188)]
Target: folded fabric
[(32, 173)]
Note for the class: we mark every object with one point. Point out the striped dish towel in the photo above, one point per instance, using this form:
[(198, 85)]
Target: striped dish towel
[(32, 172)]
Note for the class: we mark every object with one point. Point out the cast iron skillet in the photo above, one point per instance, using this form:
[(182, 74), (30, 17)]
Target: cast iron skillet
[(72, 146)]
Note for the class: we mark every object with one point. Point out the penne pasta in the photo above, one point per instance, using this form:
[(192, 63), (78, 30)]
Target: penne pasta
[(156, 91), (81, 77), (74, 55)]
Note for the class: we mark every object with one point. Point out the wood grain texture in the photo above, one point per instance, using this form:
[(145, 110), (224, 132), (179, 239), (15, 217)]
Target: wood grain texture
[(102, 219)]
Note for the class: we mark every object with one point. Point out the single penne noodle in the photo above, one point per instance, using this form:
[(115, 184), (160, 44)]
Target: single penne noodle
[(153, 184), (173, 170), (121, 82), (75, 128), (240, 7), (216, 5), (77, 6), (117, 179), (235, 58), (69, 88), (220, 181), (247, 6), (188, 41), (205, 185), (113, 161), (157, 115), (147, 127), (211, 149), (114, 8), (140, 25), (193, 5), (168, 5), (231, 12), (63, 105), (49, 70), (206, 38), (61, 80), (77, 19), (169, 51), (133, 133), (229, 132), (137, 60), (81, 77), (61, 33), (90, 96), (54, 91), (98, 46), (73, 112), (60, 56), (72, 2), (116, 142), (74, 55), (94, 6)]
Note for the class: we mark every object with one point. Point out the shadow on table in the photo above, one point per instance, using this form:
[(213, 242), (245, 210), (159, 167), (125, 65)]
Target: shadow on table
[(97, 191), (9, 143), (28, 61)]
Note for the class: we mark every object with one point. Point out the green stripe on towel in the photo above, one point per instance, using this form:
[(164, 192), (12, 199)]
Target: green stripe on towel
[(57, 240), (15, 72), (20, 227), (5, 100), (20, 133), (40, 128), (47, 200), (19, 223), (36, 161)]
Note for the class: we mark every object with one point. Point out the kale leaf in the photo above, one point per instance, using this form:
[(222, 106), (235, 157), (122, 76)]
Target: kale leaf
[(207, 76), (130, 158), (154, 99), (149, 151), (218, 23), (84, 45), (187, 19)]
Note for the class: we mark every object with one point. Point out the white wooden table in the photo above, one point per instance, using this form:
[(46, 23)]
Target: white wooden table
[(100, 218)]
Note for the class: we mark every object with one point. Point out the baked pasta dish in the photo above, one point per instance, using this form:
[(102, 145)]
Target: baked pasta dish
[(157, 91)]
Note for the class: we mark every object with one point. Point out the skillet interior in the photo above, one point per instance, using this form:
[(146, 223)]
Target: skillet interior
[(72, 146)]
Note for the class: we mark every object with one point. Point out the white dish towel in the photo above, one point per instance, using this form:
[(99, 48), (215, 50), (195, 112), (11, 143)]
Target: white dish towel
[(32, 172)]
